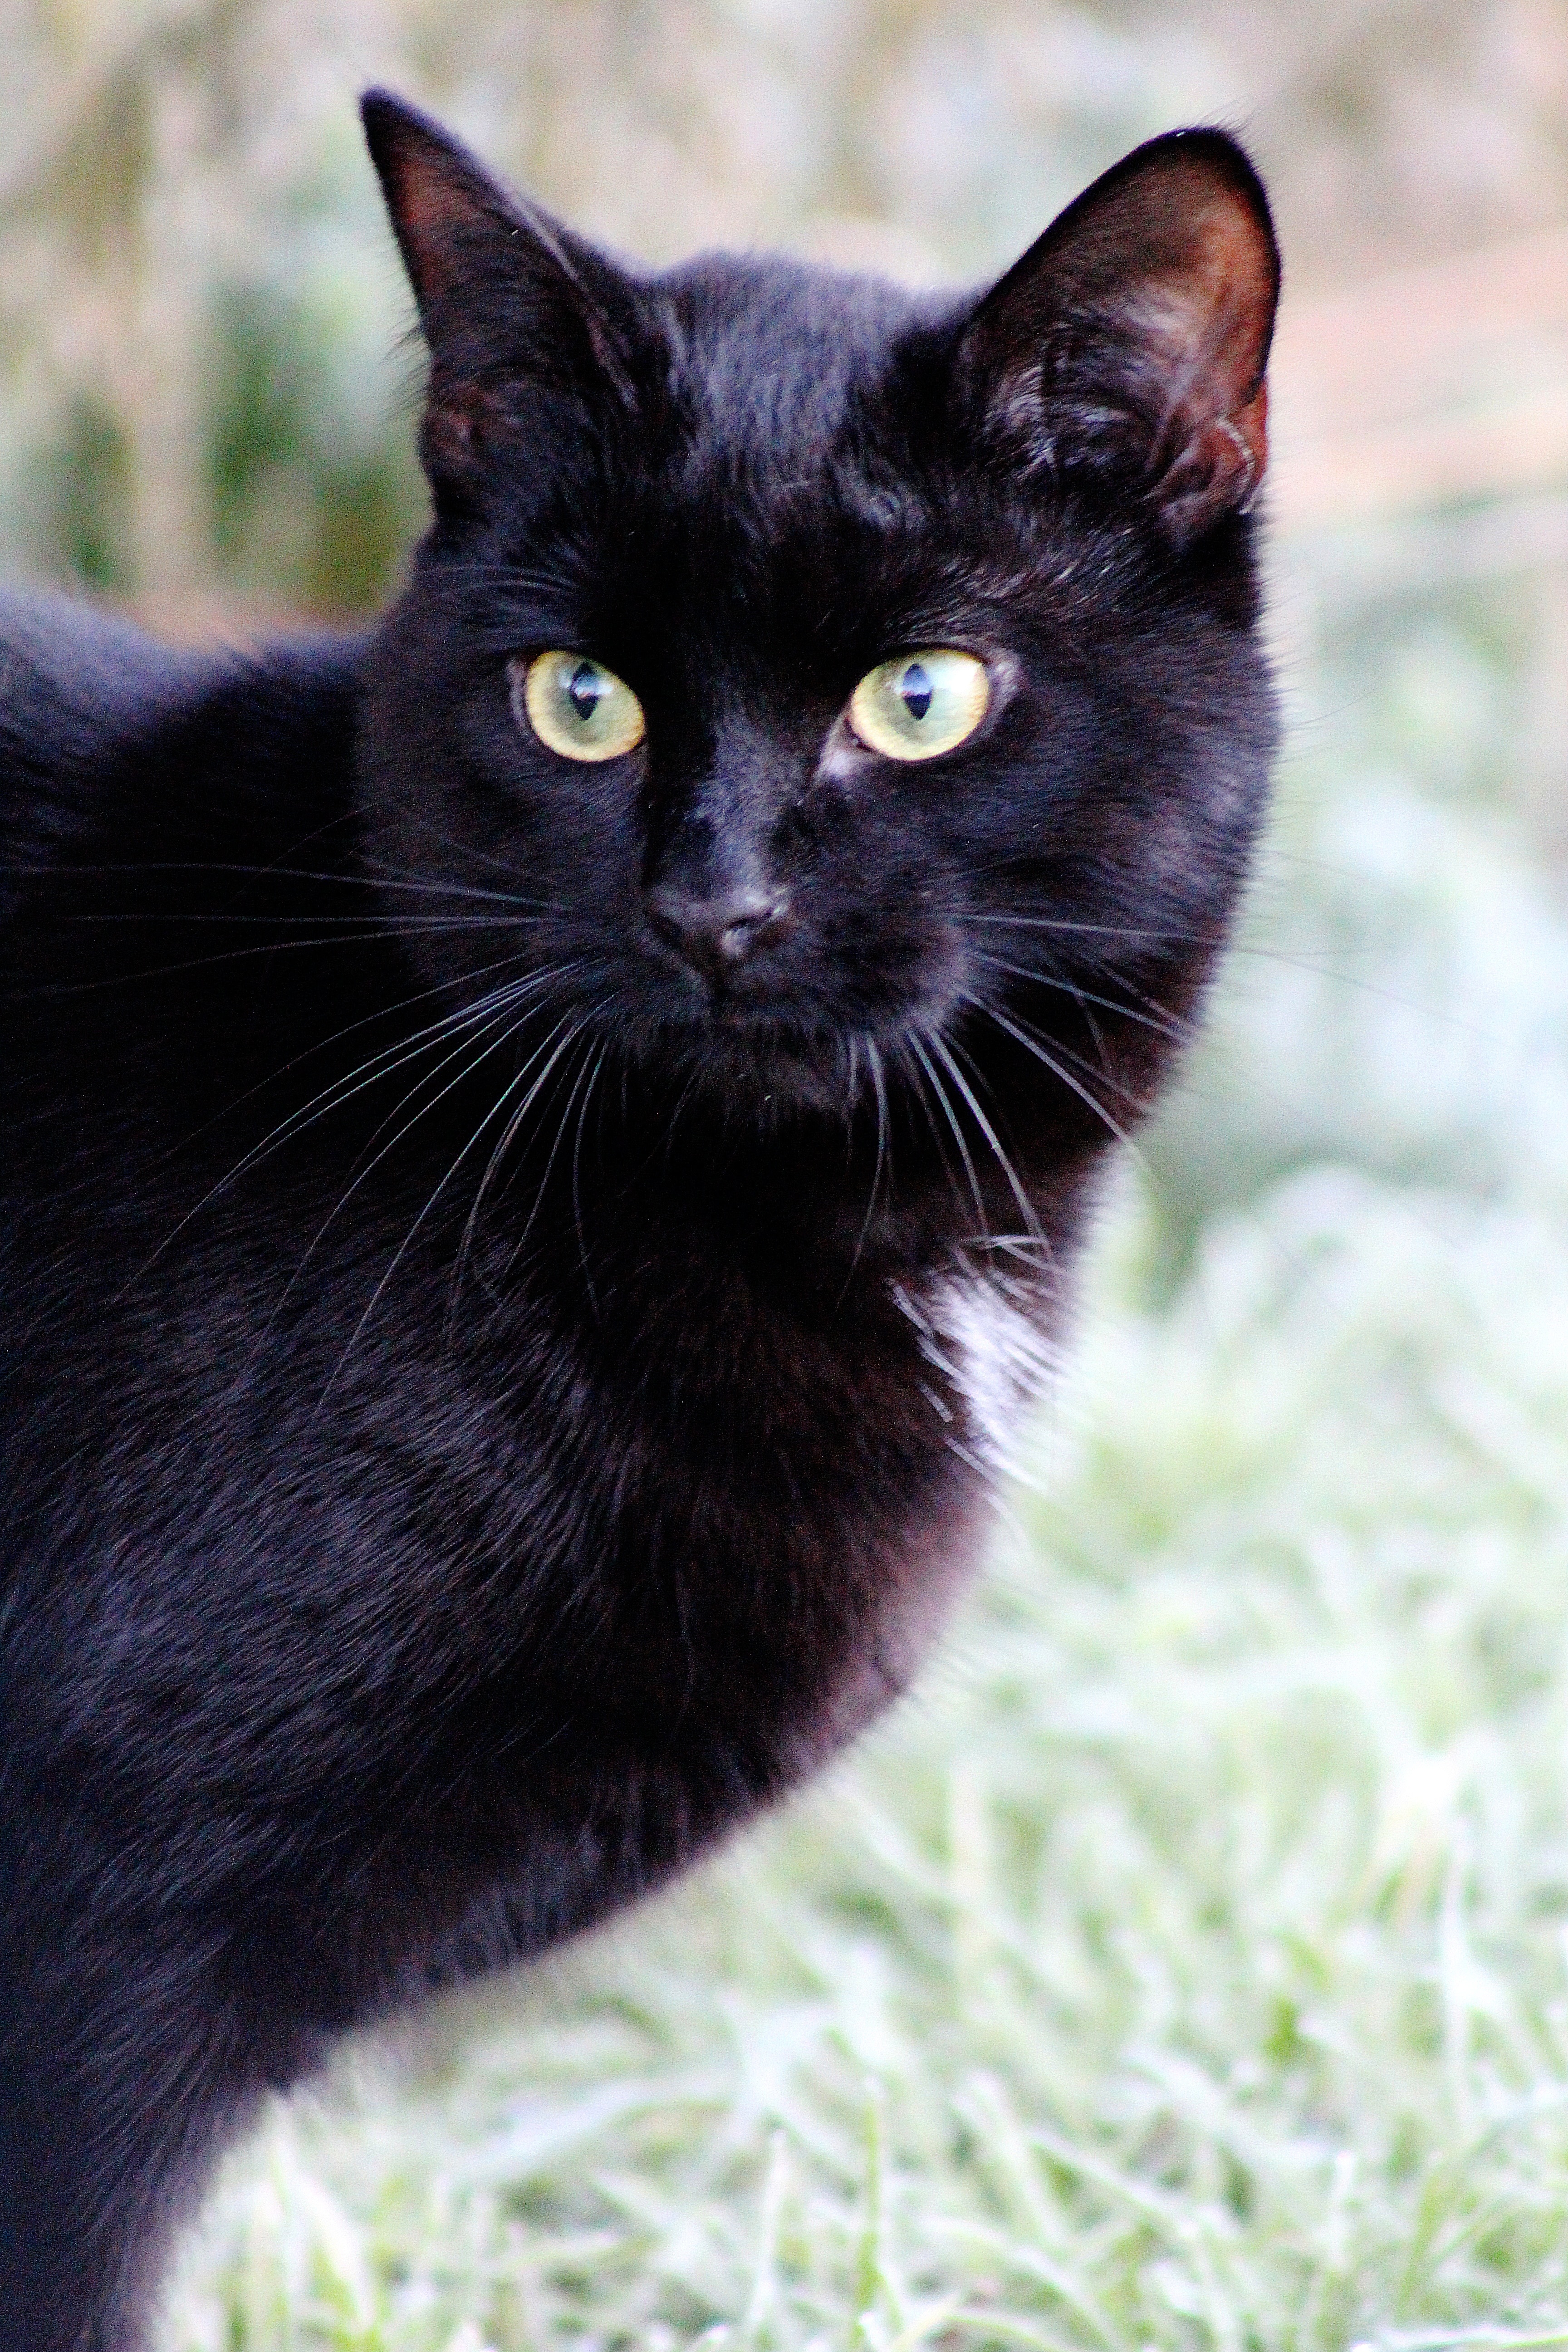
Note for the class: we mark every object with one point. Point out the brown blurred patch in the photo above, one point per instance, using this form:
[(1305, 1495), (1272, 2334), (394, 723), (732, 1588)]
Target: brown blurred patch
[(1430, 387)]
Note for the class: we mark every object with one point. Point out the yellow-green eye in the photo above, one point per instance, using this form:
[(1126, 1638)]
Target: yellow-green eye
[(919, 704), (578, 706)]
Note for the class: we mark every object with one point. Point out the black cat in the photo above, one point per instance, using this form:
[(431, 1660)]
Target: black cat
[(542, 1145)]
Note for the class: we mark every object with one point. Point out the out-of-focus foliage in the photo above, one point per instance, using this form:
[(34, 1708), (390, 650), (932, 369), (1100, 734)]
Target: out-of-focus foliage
[(202, 397)]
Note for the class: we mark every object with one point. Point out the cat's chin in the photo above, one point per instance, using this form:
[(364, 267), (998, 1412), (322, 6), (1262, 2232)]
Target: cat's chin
[(765, 1070)]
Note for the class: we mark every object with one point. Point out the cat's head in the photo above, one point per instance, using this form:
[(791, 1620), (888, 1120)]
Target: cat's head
[(825, 674)]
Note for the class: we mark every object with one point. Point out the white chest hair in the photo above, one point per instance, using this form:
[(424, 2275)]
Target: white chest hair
[(987, 1333)]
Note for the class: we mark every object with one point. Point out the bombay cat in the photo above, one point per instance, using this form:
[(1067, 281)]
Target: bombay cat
[(543, 1144)]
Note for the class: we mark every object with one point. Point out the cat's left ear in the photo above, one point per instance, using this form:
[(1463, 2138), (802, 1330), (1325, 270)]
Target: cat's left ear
[(1132, 338), (509, 300)]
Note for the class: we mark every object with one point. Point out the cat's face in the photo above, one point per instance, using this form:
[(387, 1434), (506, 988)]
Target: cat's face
[(823, 673)]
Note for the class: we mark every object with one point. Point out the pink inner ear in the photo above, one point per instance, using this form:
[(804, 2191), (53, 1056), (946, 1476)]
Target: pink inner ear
[(431, 208), (1143, 315), (1209, 321)]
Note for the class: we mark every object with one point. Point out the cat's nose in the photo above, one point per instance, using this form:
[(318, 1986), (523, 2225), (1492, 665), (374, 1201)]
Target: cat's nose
[(717, 935)]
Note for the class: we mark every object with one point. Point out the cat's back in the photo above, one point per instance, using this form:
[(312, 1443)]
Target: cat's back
[(103, 727), (76, 686)]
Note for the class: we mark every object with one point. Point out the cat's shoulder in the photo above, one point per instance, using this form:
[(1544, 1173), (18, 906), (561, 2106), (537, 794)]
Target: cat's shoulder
[(94, 713), (70, 666)]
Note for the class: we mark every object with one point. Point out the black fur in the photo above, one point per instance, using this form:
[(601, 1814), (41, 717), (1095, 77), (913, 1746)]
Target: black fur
[(485, 1405)]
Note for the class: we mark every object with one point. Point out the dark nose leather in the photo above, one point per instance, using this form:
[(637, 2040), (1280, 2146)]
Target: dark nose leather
[(717, 935)]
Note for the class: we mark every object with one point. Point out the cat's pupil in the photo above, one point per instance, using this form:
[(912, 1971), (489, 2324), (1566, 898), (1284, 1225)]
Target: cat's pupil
[(585, 690), (915, 690)]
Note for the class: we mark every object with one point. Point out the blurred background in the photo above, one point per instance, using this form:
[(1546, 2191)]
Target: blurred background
[(203, 401), (1187, 1966)]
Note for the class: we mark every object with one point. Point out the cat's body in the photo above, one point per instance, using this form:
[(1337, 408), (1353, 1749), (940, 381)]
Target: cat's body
[(516, 1268)]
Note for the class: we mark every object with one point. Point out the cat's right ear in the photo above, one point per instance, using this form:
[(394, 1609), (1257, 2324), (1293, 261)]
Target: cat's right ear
[(1130, 340), (509, 302)]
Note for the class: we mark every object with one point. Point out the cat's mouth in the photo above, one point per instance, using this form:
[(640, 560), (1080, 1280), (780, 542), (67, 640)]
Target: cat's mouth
[(762, 1064), (774, 1039), (772, 1065)]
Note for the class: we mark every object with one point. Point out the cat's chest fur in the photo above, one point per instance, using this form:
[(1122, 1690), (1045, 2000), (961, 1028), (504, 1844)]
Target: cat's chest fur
[(579, 1555)]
